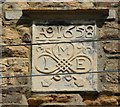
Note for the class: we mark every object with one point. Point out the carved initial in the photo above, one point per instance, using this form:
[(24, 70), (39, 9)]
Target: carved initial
[(63, 50), (80, 63), (45, 63)]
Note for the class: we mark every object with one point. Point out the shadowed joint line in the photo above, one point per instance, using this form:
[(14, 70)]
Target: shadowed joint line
[(35, 75), (74, 41)]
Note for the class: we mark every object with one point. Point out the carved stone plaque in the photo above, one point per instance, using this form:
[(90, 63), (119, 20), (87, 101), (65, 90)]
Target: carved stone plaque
[(59, 57)]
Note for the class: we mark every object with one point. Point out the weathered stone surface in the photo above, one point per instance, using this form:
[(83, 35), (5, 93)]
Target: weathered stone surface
[(64, 58), (16, 51), (15, 67), (15, 5), (60, 5), (3, 67), (112, 14), (111, 79), (22, 89), (11, 105), (113, 88), (87, 4), (53, 99), (112, 47), (13, 14), (67, 4), (0, 27), (26, 33), (8, 81), (10, 24), (14, 71), (23, 101), (11, 33), (103, 100), (109, 30), (15, 61), (11, 98), (107, 4), (112, 64), (10, 36)]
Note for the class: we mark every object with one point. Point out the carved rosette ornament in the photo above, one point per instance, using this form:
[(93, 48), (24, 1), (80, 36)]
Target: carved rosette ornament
[(58, 54)]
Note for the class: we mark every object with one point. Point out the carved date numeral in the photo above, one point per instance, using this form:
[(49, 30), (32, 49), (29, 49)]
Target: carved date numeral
[(65, 32)]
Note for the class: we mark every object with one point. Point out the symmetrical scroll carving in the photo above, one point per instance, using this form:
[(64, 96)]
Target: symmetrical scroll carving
[(62, 58)]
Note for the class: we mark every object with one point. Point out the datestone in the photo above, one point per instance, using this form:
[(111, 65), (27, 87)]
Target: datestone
[(59, 52)]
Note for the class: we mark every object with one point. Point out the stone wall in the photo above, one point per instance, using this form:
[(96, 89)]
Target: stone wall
[(15, 60)]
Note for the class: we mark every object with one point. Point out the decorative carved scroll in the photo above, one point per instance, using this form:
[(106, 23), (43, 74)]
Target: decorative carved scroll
[(62, 57)]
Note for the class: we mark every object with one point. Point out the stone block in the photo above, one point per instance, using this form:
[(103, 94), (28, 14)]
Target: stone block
[(109, 30), (87, 4), (11, 98), (55, 99), (10, 36), (10, 32), (106, 4), (61, 56), (112, 14), (23, 101), (112, 64), (16, 51), (13, 14), (26, 33), (112, 47), (14, 67), (15, 61), (111, 79), (103, 100), (15, 5), (113, 88), (21, 89)]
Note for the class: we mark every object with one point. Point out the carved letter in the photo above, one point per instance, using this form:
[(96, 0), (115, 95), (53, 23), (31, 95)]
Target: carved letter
[(45, 63), (48, 33), (62, 50), (80, 63)]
